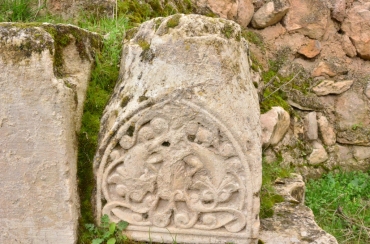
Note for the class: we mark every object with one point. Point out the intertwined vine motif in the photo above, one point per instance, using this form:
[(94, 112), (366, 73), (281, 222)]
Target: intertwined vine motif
[(175, 165)]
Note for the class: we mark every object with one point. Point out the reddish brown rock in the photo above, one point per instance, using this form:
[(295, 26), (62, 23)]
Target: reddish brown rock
[(357, 27), (310, 49)]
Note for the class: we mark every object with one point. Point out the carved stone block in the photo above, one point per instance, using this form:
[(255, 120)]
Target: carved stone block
[(40, 112), (179, 151)]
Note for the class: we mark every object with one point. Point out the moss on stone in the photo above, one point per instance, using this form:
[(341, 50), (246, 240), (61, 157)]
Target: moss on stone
[(174, 21), (37, 42)]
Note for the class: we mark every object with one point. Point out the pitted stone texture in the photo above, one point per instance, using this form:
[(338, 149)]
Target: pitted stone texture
[(275, 123), (270, 13), (240, 11), (293, 222), (179, 152), (40, 116)]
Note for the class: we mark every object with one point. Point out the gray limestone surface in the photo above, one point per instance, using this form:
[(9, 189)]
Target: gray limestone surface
[(179, 150), (40, 113)]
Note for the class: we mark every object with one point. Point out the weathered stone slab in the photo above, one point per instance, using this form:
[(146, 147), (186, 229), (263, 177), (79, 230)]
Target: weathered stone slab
[(180, 153), (42, 90), (293, 222), (331, 87)]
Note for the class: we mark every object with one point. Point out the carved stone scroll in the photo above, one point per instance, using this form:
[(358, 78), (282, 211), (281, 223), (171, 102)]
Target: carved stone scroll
[(179, 155)]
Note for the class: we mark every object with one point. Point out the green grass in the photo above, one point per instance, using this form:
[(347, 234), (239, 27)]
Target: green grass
[(270, 172), (17, 10), (341, 204)]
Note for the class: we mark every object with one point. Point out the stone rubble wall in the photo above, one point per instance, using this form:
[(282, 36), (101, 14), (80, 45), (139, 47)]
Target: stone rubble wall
[(43, 82)]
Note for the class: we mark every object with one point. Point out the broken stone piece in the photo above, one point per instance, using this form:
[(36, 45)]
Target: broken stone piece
[(311, 126), (185, 161), (292, 221), (310, 49), (40, 116), (270, 13), (326, 131), (331, 87), (324, 68), (318, 154), (275, 124)]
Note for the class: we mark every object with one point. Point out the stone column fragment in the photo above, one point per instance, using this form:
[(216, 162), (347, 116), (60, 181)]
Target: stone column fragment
[(44, 74), (179, 152)]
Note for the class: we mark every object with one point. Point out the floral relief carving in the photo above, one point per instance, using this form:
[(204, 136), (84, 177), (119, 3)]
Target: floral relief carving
[(173, 165)]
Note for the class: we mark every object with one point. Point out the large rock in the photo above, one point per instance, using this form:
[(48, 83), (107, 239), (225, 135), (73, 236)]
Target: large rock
[(309, 18), (353, 117), (357, 27), (241, 11), (179, 152), (270, 13), (42, 90), (275, 123)]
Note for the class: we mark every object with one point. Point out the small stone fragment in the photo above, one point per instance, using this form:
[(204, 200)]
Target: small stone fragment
[(318, 154), (331, 87), (311, 126), (310, 49), (348, 47), (324, 68), (274, 124), (270, 13), (326, 131)]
